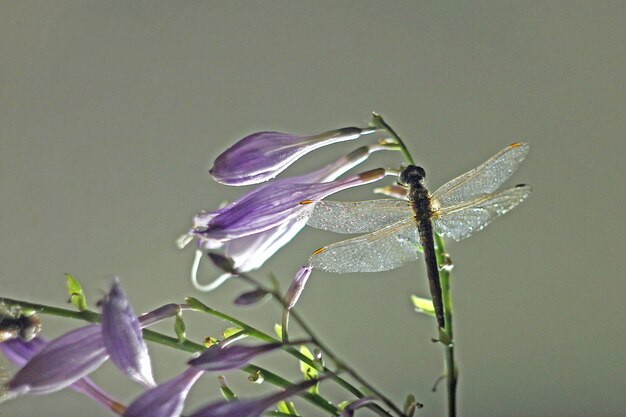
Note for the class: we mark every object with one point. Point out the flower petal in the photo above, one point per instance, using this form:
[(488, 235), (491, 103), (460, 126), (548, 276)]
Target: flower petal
[(61, 362), (123, 338), (224, 357), (263, 155), (268, 207), (251, 408), (166, 399)]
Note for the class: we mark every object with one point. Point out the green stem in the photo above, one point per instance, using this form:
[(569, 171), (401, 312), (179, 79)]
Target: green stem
[(379, 122), (452, 374), (443, 261), (186, 346)]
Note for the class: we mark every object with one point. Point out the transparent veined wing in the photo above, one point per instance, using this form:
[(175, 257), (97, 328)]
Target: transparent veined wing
[(358, 216), (482, 180), (382, 250), (460, 221)]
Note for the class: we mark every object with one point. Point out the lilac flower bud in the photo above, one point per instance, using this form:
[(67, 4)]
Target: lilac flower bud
[(251, 408), (60, 362), (166, 399), (268, 207), (123, 338), (251, 297), (19, 352), (297, 286), (224, 357), (261, 156)]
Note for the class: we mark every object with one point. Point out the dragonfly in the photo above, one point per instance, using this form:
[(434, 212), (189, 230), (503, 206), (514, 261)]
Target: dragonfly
[(399, 229)]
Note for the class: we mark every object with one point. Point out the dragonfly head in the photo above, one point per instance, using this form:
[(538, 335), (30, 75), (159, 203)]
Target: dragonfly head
[(412, 175)]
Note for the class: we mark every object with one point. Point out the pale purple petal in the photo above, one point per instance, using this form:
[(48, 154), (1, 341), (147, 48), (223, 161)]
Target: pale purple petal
[(19, 352), (123, 338), (221, 358), (250, 252), (263, 155), (166, 399), (297, 286), (251, 408), (268, 207), (61, 362)]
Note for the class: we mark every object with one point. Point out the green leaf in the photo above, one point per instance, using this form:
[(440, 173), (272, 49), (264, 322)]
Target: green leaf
[(307, 370), (75, 290), (410, 404), (231, 331), (180, 328), (287, 408), (278, 329), (423, 305), (227, 393), (444, 337)]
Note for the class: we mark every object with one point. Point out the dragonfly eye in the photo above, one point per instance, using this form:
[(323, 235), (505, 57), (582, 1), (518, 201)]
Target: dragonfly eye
[(412, 175)]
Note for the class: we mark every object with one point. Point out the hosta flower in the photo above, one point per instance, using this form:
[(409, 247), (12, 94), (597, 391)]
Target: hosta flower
[(251, 251), (261, 156), (254, 407), (268, 207), (60, 363), (19, 352), (72, 356), (221, 358), (166, 399)]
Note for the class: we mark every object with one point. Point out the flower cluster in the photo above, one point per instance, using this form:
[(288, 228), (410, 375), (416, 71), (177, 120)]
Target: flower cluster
[(252, 228)]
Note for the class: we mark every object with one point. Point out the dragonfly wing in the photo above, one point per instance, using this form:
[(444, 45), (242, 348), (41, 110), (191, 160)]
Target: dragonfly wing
[(463, 220), (482, 180), (358, 216), (382, 250)]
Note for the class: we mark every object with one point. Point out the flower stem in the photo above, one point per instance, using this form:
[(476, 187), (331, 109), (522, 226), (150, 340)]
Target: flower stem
[(379, 122), (452, 374), (445, 265)]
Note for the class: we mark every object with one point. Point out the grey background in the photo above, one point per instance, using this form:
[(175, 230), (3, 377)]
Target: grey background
[(111, 113)]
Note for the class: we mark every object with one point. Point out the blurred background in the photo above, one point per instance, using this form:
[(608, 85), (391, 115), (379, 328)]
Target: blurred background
[(112, 112)]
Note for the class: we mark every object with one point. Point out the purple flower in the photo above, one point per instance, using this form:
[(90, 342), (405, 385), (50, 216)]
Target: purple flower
[(123, 338), (251, 408), (251, 251), (166, 399), (268, 207), (60, 362), (261, 156), (19, 352), (224, 357), (297, 286)]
